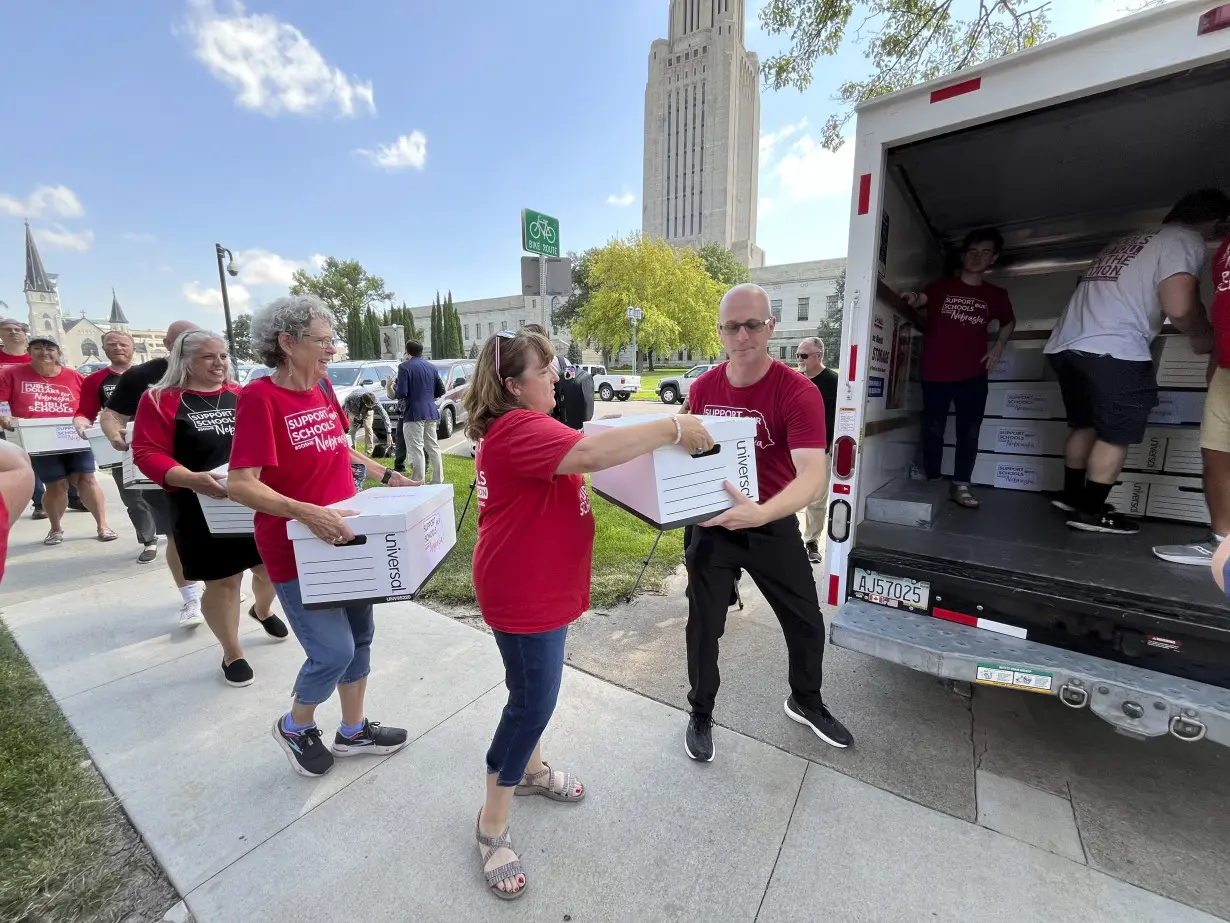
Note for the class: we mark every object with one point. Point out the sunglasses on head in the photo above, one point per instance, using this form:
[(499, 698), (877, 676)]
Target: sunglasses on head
[(502, 335), (732, 327)]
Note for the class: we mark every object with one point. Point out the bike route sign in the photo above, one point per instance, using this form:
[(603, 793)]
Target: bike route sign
[(539, 233)]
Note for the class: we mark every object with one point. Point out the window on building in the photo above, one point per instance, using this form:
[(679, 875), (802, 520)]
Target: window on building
[(781, 352), (465, 332), (503, 325), (705, 50), (832, 303), (521, 323), (776, 307), (490, 328), (804, 308)]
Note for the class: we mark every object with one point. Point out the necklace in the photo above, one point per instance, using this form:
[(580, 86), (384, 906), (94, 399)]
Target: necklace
[(216, 405)]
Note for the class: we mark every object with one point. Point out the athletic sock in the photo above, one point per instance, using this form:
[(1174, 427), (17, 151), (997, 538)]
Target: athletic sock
[(191, 592), (289, 726), (1093, 498), (349, 730), (1073, 483)]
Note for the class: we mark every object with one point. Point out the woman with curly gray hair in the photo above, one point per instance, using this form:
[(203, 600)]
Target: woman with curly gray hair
[(290, 460)]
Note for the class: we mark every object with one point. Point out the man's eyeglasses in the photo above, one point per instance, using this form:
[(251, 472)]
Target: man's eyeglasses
[(732, 327), (803, 356), (502, 335)]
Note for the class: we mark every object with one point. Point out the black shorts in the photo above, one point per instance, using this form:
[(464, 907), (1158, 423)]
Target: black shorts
[(1112, 396)]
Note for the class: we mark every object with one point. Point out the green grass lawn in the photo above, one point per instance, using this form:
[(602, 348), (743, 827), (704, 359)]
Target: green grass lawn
[(67, 852), (620, 545)]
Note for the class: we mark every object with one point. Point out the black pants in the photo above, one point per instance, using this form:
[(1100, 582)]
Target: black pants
[(139, 512), (399, 440), (774, 557), (970, 398)]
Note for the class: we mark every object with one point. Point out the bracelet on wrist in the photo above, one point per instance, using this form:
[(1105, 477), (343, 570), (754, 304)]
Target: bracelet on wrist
[(678, 430)]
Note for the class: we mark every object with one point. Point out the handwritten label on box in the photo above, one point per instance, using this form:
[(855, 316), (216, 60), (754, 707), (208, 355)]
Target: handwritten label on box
[(433, 533), (1027, 403), (66, 432), (1017, 440), (1014, 476)]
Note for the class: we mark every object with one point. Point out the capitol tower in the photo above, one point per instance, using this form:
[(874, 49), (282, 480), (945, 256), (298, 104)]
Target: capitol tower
[(702, 131)]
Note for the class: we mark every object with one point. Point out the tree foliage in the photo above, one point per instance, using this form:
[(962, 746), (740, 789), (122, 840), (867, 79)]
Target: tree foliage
[(829, 328), (678, 299), (723, 266), (906, 41), (567, 313), (405, 317), (241, 332), (574, 352), (344, 286)]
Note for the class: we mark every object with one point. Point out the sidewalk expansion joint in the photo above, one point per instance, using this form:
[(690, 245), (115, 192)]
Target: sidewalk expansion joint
[(785, 833)]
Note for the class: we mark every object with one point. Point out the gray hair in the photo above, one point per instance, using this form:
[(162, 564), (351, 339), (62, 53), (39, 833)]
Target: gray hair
[(750, 288), (184, 349), (813, 341), (292, 315)]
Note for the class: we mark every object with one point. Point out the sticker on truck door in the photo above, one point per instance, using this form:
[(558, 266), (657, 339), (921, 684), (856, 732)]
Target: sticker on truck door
[(996, 674)]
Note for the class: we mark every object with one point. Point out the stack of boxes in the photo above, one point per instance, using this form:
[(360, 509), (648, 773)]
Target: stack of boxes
[(1021, 443)]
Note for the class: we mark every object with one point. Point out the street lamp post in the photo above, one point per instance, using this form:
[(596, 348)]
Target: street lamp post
[(226, 300)]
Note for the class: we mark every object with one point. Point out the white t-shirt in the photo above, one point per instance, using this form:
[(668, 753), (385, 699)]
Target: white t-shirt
[(1115, 310)]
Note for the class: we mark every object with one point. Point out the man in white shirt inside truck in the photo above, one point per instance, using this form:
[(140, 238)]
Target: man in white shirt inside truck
[(1100, 349)]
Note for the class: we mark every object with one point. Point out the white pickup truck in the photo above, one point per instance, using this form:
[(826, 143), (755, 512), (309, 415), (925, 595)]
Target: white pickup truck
[(674, 390), (609, 387), (1064, 147)]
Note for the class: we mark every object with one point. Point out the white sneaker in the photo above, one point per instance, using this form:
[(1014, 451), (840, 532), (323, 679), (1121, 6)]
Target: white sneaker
[(190, 614), (1199, 554)]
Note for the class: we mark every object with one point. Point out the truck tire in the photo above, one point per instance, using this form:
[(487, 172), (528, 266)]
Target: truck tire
[(606, 392), (447, 422), (669, 395), (624, 395)]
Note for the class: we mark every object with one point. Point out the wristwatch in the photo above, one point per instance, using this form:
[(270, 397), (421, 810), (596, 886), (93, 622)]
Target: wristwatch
[(388, 476)]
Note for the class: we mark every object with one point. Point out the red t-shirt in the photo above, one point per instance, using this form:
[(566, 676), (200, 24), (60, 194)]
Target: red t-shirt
[(19, 359), (790, 411), (95, 390), (535, 545), (1219, 310), (298, 440), (957, 319), (31, 396)]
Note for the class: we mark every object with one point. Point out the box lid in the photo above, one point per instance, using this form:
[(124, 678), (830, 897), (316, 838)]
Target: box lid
[(385, 509), (722, 429)]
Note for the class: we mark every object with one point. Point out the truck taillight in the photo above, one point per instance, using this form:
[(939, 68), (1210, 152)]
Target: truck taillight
[(843, 457), (839, 521), (1214, 20)]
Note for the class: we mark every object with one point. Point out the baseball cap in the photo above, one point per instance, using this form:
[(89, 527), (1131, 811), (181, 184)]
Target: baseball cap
[(43, 339)]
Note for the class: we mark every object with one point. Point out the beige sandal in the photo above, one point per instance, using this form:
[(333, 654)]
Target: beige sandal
[(511, 869), (961, 496), (567, 792)]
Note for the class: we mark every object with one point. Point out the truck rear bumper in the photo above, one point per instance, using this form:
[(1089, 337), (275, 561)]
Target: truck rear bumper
[(1138, 702)]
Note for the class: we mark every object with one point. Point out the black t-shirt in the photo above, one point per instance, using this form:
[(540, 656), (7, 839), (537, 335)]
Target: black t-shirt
[(826, 381), (133, 383)]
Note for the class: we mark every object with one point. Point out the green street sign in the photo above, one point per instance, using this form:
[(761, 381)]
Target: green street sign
[(539, 233)]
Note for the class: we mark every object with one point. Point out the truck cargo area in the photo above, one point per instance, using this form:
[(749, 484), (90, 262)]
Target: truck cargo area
[(1060, 183)]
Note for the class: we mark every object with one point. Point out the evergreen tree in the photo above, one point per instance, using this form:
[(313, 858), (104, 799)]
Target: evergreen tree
[(474, 350), (437, 339), (458, 347), (574, 352)]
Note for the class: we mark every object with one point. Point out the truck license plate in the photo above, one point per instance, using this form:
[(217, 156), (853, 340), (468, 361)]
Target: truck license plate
[(898, 592)]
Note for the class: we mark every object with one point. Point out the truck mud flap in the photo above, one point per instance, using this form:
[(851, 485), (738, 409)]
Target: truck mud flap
[(1138, 702)]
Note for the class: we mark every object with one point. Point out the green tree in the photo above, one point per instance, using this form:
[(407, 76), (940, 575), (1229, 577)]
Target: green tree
[(241, 331), (574, 352), (437, 335), (566, 314), (452, 329), (343, 285), (906, 41), (829, 328), (474, 350), (678, 300), (723, 266), (405, 317)]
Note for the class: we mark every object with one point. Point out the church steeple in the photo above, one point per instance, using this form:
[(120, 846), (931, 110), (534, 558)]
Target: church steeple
[(117, 320), (36, 276), (42, 295)]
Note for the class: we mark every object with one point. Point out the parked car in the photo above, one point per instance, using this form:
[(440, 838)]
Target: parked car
[(370, 375), (91, 367), (609, 387), (455, 373), (255, 372), (673, 390)]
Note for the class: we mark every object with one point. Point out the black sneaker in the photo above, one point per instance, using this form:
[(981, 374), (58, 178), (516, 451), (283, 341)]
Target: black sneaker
[(148, 554), (307, 755), (698, 740), (237, 672), (39, 513), (374, 740), (813, 553), (78, 507), (274, 626), (1108, 520), (827, 728)]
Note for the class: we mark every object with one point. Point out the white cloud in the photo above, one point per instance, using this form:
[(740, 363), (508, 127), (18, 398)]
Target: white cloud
[(271, 65), (211, 298), (59, 237), (139, 237), (260, 267), (407, 151), (770, 139), (811, 172), (317, 260), (621, 201), (57, 201), (765, 207)]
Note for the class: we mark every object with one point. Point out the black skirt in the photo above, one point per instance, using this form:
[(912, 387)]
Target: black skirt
[(206, 556)]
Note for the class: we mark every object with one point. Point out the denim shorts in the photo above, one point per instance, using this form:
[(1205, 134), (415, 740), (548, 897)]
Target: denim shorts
[(533, 668), (338, 644), (52, 468)]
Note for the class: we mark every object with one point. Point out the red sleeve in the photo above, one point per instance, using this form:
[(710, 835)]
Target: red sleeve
[(254, 445), (90, 405), (6, 383), (153, 435), (535, 444), (804, 412)]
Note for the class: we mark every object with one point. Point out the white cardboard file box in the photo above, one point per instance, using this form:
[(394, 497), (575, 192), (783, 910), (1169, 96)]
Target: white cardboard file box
[(669, 487), (1148, 455), (1012, 472), (133, 477), (1038, 400), (1022, 360), (1178, 407), (1177, 365), (1016, 437), (1183, 455), (402, 535), (225, 517), (50, 436), (1130, 495), (1177, 498), (105, 454)]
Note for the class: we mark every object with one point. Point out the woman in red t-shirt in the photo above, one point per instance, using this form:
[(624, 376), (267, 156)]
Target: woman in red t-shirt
[(532, 561), (183, 431), (290, 459)]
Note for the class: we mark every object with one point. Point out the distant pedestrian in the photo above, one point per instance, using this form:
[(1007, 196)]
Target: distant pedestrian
[(418, 386), (810, 355)]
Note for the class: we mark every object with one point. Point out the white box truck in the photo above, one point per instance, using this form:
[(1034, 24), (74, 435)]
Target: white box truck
[(1064, 148)]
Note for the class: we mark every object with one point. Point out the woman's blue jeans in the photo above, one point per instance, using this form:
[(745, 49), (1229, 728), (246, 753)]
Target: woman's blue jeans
[(533, 668)]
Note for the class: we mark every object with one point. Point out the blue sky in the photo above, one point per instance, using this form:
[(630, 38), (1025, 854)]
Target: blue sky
[(407, 135)]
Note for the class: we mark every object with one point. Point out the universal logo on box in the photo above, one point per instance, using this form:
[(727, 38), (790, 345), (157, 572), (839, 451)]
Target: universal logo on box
[(743, 454)]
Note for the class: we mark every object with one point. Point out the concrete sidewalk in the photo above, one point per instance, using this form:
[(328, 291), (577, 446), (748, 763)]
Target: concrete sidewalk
[(759, 834)]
